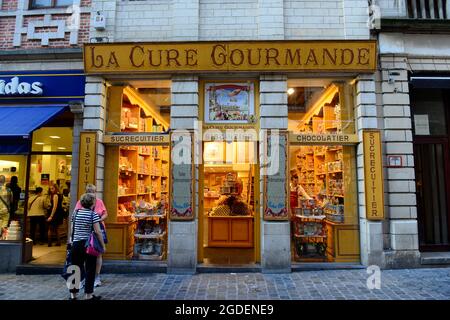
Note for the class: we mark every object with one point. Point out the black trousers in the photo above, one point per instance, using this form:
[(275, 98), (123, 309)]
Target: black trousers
[(37, 221), (86, 263)]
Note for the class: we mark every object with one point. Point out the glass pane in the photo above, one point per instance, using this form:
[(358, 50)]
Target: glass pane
[(319, 106), (41, 3), (323, 198), (53, 139), (63, 3), (139, 187), (428, 112), (139, 106), (143, 193), (12, 193)]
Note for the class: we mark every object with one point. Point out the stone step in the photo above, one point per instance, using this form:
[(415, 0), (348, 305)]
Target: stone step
[(435, 258), (316, 266), (108, 267), (211, 268)]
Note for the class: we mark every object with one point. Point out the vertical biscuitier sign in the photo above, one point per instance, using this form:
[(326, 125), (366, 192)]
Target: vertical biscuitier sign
[(373, 175), (87, 160)]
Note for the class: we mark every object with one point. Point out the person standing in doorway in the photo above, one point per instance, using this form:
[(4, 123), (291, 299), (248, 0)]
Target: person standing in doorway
[(5, 204), (15, 190), (100, 209), (56, 214), (84, 221), (36, 212)]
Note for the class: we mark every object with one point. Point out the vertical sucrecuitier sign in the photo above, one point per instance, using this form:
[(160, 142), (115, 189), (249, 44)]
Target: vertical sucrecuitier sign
[(373, 175), (87, 160)]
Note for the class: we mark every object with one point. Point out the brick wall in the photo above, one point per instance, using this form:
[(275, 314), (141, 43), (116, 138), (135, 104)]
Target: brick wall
[(23, 17), (6, 31), (9, 4), (313, 19)]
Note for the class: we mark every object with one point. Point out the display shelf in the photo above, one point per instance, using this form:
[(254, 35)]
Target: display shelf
[(302, 236), (313, 218), (127, 195), (150, 236), (127, 171), (142, 216), (151, 257)]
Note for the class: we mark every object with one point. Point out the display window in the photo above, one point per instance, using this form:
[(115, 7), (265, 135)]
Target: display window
[(28, 180), (323, 204), (12, 196), (137, 175)]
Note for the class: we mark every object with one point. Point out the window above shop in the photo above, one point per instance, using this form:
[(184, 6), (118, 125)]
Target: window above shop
[(320, 106), (140, 106), (39, 4), (429, 114)]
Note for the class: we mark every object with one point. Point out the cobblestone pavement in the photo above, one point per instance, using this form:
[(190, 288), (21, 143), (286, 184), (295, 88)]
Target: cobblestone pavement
[(423, 284)]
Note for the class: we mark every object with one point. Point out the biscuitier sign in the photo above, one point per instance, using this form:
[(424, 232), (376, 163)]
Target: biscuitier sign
[(231, 56)]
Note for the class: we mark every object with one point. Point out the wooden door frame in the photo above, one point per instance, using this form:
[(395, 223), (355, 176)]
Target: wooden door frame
[(256, 209), (445, 140)]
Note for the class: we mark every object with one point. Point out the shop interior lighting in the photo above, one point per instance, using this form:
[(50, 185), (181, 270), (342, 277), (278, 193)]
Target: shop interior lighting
[(290, 91), (39, 143), (55, 137), (61, 148)]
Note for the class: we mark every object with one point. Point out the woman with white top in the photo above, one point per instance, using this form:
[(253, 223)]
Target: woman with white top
[(36, 212)]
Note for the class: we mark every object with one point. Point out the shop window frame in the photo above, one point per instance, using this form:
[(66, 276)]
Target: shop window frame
[(53, 5)]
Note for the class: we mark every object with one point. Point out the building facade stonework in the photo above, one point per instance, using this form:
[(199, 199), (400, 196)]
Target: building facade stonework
[(381, 100)]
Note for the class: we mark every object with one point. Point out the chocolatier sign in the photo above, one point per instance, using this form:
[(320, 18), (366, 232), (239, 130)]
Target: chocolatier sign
[(231, 56)]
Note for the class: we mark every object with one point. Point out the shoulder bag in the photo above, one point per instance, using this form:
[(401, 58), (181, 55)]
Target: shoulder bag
[(93, 245)]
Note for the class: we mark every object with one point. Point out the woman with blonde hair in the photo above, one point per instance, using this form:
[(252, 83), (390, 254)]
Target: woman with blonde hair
[(55, 214), (100, 209)]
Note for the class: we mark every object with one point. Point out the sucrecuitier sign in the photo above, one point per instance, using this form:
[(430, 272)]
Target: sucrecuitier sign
[(231, 56)]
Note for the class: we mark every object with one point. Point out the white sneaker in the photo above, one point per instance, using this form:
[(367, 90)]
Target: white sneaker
[(97, 282)]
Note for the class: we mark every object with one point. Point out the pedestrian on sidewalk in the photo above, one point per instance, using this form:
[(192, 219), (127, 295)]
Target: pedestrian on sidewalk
[(84, 221), (56, 214), (100, 209)]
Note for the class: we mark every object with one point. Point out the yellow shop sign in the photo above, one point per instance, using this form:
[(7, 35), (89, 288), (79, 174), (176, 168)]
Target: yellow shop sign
[(329, 139), (137, 139), (88, 156), (373, 175), (350, 55)]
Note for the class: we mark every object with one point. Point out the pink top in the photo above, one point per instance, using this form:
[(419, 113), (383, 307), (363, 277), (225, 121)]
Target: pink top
[(99, 207)]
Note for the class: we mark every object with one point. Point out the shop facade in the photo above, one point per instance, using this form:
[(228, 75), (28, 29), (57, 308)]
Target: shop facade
[(36, 151), (308, 106)]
